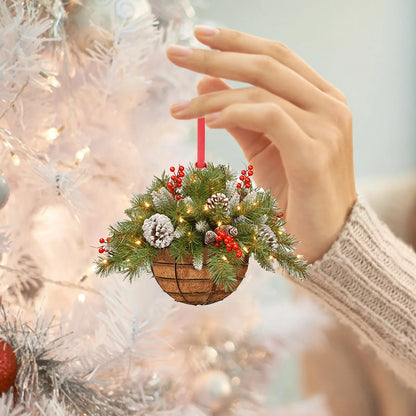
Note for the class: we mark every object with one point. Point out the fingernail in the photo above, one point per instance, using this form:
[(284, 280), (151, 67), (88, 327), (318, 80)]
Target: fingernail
[(210, 118), (206, 30), (179, 50), (179, 106)]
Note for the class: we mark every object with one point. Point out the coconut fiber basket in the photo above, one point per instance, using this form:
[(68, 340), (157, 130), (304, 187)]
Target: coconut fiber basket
[(185, 284)]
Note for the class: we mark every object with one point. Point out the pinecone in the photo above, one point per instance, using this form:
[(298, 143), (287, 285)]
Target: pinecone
[(218, 201), (267, 235), (228, 229), (210, 237), (158, 230)]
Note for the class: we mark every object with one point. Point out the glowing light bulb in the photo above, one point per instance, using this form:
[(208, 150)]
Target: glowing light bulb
[(146, 204), (81, 298), (105, 262), (271, 258), (238, 208), (181, 219), (138, 242), (15, 160), (219, 223), (299, 256), (245, 249), (52, 134), (224, 258), (206, 208), (81, 153), (189, 210), (53, 81)]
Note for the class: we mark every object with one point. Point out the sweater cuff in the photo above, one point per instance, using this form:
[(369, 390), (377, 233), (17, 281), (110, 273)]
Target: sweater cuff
[(368, 279)]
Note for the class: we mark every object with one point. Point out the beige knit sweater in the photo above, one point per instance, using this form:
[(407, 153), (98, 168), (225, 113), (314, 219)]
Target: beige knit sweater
[(368, 278)]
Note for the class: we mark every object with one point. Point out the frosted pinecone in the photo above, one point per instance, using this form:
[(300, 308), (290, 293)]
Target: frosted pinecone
[(198, 261), (210, 237), (266, 234), (218, 201), (158, 231), (202, 226)]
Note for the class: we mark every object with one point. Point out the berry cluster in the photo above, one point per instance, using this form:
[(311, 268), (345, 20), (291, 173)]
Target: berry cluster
[(176, 184), (245, 181), (102, 250), (229, 241)]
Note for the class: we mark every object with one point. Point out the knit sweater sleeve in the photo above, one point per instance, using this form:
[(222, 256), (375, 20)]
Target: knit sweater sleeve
[(368, 279)]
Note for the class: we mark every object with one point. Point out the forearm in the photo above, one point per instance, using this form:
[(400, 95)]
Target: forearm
[(368, 278)]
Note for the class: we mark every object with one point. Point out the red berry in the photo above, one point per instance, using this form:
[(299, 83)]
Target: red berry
[(106, 250), (181, 174), (248, 185), (250, 167), (172, 169), (101, 250), (181, 168), (217, 244), (248, 180), (241, 178), (239, 192), (171, 191), (173, 177), (218, 239), (238, 253), (170, 185), (239, 185), (235, 245), (280, 215), (102, 240), (108, 239), (243, 172), (178, 197), (231, 239), (178, 185), (250, 173), (229, 248)]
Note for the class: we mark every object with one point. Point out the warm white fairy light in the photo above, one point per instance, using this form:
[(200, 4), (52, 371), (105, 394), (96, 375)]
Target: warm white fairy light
[(53, 81), (206, 208), (299, 256), (219, 223), (280, 232), (81, 153), (105, 261), (181, 219), (271, 258), (138, 242), (146, 204), (15, 159), (81, 298), (245, 249), (189, 233), (188, 210), (52, 134), (224, 258), (238, 208)]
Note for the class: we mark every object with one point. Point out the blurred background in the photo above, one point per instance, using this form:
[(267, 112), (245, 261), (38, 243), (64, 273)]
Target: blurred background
[(367, 50)]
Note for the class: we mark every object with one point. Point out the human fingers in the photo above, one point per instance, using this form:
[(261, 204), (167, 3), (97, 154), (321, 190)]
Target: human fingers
[(272, 122), (218, 100), (251, 142), (259, 70), (234, 41)]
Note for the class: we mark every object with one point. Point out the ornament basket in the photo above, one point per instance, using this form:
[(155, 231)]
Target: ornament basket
[(195, 229)]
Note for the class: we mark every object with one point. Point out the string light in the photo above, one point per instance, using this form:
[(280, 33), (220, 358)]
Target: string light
[(299, 256), (238, 208), (105, 262), (15, 159), (146, 204), (189, 233), (245, 249), (219, 223), (224, 258), (271, 258), (181, 219), (138, 242), (52, 134), (189, 210), (280, 232), (81, 153), (206, 208)]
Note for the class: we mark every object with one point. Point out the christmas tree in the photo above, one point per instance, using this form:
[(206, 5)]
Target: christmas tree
[(84, 95)]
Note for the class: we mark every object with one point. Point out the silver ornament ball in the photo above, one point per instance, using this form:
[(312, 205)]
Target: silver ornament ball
[(4, 191)]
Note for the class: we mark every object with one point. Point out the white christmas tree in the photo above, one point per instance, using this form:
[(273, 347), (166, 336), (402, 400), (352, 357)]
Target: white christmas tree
[(84, 93)]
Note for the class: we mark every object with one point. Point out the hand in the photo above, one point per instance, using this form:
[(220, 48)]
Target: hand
[(292, 125)]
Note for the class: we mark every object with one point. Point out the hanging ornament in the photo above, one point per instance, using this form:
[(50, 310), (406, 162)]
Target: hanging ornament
[(212, 388), (198, 247), (8, 367), (4, 191)]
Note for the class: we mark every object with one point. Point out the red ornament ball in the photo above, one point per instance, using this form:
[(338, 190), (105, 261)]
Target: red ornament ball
[(8, 367)]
